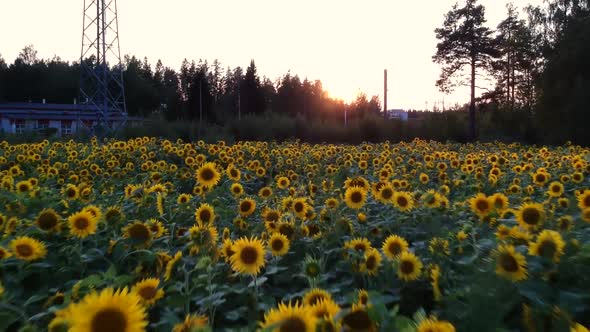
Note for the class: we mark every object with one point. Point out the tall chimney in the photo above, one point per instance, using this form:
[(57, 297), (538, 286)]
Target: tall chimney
[(385, 92)]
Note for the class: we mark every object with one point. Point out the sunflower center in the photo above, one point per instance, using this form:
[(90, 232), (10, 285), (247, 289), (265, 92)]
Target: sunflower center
[(402, 201), (205, 215), (358, 320), (81, 223), (249, 255), (277, 245), (23, 187), (312, 270), (407, 267), (47, 220), (531, 216), (356, 197), (139, 232), (24, 250), (147, 292), (245, 206), (298, 207), (386, 193), (360, 246), (587, 200), (394, 248), (371, 263), (555, 189), (109, 320), (293, 324), (482, 205), (547, 249), (272, 216), (540, 178), (71, 193), (286, 230), (508, 263), (207, 174)]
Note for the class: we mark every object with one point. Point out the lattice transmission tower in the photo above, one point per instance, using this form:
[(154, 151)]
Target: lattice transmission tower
[(101, 72)]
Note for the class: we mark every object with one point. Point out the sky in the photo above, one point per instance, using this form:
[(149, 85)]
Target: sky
[(344, 43)]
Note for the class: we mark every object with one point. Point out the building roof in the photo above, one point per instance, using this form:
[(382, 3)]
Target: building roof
[(39, 111)]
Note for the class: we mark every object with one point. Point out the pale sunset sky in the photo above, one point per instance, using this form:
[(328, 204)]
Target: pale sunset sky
[(345, 44)]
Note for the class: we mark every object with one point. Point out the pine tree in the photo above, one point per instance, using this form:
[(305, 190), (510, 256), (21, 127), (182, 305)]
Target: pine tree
[(464, 41)]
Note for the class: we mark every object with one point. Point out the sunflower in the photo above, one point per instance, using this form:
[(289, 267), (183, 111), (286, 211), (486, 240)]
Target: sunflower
[(27, 248), (23, 187), (549, 244), (586, 215), (358, 319), (403, 201), (82, 224), (48, 220), (385, 194), (184, 198), (283, 182), (157, 228), (439, 246), (362, 297), (555, 189), (94, 211), (71, 192), (358, 244), (265, 192), (481, 205), (248, 257), (290, 318), (510, 264), (191, 323), (434, 325), (205, 215), (540, 178), (372, 262), (236, 189), (171, 264), (431, 199), (314, 295), (325, 309), (409, 266), (113, 214), (331, 203), (233, 173), (207, 175), (355, 197), (148, 291), (530, 215), (138, 232), (109, 310), (247, 207), (393, 246), (500, 202), (584, 200), (300, 207), (270, 215), (278, 244)]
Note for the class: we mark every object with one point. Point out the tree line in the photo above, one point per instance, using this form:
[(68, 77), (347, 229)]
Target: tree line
[(539, 64), (198, 91)]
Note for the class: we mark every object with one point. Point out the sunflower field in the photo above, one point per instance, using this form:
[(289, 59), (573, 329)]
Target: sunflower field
[(156, 235)]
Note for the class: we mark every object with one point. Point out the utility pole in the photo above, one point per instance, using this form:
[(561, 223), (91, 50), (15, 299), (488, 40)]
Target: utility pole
[(385, 93)]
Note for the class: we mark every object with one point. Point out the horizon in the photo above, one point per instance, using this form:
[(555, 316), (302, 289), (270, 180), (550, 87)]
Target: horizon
[(336, 66)]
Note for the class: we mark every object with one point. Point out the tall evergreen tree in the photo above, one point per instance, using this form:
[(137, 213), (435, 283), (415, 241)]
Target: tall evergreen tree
[(464, 41)]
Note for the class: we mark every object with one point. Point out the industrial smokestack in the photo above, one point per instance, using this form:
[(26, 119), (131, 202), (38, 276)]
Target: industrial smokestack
[(385, 92)]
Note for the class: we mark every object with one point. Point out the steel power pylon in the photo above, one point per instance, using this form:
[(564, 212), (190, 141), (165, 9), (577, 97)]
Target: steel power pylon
[(101, 71)]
